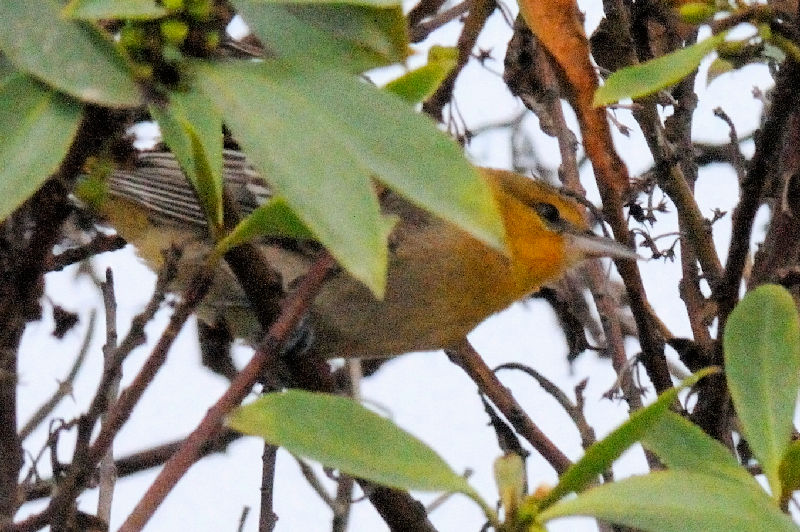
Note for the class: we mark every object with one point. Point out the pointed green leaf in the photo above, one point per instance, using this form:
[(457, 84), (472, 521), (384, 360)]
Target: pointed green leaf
[(511, 480), (351, 36), (114, 9), (274, 218), (659, 73), (72, 56), (762, 364), (599, 457), (192, 128), (677, 501), (319, 135), (340, 433), (790, 469), (294, 142), (368, 3), (696, 12), (7, 70), (419, 84), (37, 126), (208, 180), (681, 444), (718, 67)]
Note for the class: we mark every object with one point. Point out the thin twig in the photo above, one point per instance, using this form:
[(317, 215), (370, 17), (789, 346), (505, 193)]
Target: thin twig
[(420, 32), (266, 354), (243, 518), (100, 243), (314, 482), (138, 462), (64, 386), (479, 11), (107, 468), (423, 9), (267, 518), (465, 356), (86, 457), (574, 411)]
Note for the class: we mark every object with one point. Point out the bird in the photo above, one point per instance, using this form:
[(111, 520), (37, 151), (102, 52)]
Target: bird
[(441, 281)]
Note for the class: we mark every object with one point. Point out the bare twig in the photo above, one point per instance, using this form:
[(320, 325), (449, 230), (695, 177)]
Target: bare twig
[(465, 356), (425, 8), (107, 467), (314, 482), (267, 518), (768, 142), (85, 456), (139, 461), (421, 31), (64, 386), (574, 411), (342, 503), (100, 243), (268, 350), (479, 11), (243, 518), (24, 260)]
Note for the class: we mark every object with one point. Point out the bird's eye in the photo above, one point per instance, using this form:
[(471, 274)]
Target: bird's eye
[(548, 212)]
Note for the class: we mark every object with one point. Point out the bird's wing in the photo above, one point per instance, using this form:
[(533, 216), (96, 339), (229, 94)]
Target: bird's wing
[(157, 183)]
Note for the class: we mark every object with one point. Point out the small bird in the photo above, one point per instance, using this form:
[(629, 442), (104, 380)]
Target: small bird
[(441, 283)]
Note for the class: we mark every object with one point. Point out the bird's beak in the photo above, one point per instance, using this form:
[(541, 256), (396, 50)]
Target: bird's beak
[(592, 246)]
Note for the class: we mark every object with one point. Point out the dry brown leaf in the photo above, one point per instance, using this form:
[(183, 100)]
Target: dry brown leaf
[(558, 24)]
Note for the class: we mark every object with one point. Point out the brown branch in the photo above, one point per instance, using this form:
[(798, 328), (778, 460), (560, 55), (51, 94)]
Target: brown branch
[(265, 355), (780, 252), (768, 143), (21, 282), (465, 356), (100, 243), (343, 503), (537, 83), (106, 468), (713, 411), (267, 518), (479, 11), (64, 386), (86, 457), (420, 31), (574, 411), (139, 461), (423, 9)]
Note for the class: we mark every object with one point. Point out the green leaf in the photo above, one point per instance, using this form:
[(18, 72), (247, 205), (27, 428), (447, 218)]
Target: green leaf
[(718, 67), (509, 475), (340, 433), (367, 3), (69, 55), (37, 126), (419, 84), (652, 76), (696, 12), (347, 35), (599, 457), (319, 135), (208, 184), (677, 501), (7, 70), (114, 9), (274, 218), (762, 364), (296, 147), (790, 469), (680, 444), (192, 128)]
